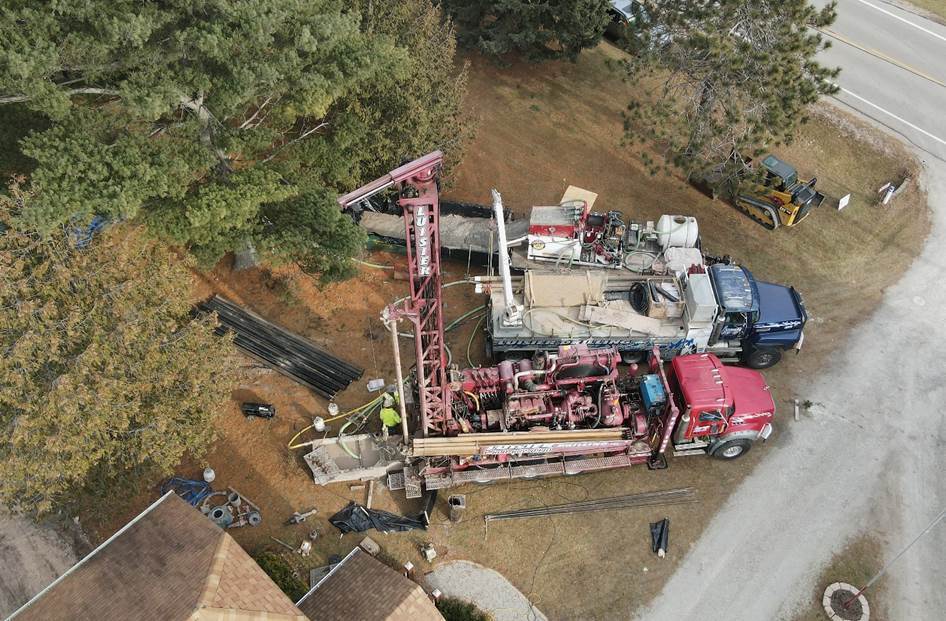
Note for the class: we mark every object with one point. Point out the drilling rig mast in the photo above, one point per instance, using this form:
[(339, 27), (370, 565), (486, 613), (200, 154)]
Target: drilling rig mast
[(418, 197)]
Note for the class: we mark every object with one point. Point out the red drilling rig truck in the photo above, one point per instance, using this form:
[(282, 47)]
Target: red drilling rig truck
[(566, 412)]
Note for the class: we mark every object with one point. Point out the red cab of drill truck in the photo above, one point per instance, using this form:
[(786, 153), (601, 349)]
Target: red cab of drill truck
[(724, 409)]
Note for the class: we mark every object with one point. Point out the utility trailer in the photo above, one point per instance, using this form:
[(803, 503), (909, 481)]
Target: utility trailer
[(565, 412)]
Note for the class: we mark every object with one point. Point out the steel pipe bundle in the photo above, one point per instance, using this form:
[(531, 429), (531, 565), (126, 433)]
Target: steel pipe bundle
[(647, 499), (282, 350)]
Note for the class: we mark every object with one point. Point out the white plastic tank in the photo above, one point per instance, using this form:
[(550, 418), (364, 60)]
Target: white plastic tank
[(677, 231)]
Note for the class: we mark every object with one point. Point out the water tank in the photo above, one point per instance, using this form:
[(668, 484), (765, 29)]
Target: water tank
[(677, 232)]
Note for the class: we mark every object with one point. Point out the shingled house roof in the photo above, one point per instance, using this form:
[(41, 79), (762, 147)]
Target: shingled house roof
[(170, 562), (362, 587)]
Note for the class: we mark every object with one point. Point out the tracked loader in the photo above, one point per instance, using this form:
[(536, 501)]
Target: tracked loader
[(779, 198)]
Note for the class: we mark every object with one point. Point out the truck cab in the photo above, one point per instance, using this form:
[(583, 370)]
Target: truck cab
[(763, 319), (723, 410)]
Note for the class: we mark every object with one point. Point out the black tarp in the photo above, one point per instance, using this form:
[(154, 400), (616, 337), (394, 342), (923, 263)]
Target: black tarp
[(660, 536), (355, 518)]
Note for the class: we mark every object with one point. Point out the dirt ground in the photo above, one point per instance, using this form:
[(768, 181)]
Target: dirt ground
[(39, 552), (541, 129)]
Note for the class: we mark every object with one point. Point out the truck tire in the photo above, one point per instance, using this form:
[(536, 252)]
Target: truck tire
[(762, 357), (733, 449)]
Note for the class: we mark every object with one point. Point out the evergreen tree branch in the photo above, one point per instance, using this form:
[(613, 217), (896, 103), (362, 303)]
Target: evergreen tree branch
[(75, 91)]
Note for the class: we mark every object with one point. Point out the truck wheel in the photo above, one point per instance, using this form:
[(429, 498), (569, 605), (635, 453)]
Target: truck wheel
[(762, 357), (732, 449)]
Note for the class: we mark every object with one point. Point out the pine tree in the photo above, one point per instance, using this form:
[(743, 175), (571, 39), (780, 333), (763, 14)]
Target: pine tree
[(104, 371), (733, 77), (537, 29), (198, 117)]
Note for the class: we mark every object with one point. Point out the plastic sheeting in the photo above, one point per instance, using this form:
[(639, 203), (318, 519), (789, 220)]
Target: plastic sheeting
[(355, 518), (660, 536)]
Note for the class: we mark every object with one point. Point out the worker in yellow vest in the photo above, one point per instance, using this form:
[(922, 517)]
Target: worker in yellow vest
[(390, 417)]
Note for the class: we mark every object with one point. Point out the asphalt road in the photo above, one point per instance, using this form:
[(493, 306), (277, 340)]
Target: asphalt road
[(893, 70), (871, 457)]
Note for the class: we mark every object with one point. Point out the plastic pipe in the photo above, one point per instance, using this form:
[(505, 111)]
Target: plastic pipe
[(392, 326), (513, 314)]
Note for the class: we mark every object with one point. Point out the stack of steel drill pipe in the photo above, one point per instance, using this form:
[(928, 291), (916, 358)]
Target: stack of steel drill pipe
[(282, 350), (647, 499)]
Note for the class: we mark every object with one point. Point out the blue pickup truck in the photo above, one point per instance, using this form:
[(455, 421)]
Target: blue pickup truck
[(722, 309)]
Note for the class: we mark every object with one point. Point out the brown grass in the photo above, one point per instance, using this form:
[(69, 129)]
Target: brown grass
[(934, 9), (542, 128), (860, 559)]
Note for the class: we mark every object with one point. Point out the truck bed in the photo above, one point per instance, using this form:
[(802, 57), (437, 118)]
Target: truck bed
[(598, 323)]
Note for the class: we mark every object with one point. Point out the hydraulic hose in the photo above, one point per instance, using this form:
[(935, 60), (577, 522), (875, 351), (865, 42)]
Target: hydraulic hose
[(451, 326), (360, 408), (469, 344)]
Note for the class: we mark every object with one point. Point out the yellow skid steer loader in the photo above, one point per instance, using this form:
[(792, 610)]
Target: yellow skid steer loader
[(772, 195), (780, 199)]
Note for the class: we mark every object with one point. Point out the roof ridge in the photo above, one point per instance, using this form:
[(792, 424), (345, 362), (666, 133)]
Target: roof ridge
[(215, 573)]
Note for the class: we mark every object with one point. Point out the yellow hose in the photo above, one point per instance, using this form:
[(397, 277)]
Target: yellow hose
[(295, 446), (360, 408), (475, 399)]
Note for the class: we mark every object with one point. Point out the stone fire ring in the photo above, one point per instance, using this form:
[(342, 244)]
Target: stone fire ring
[(841, 591)]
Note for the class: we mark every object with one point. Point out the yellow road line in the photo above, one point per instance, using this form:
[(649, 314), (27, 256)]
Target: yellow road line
[(881, 56)]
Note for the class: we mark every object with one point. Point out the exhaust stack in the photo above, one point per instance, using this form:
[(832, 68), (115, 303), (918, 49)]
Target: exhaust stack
[(513, 313)]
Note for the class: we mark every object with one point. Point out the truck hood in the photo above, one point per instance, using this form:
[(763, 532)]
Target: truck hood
[(751, 393), (778, 309)]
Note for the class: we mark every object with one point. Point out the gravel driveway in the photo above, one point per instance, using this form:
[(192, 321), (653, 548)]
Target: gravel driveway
[(484, 587), (869, 458)]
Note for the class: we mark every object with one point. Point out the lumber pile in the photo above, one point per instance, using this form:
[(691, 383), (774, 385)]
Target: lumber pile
[(281, 350), (473, 443), (647, 499)]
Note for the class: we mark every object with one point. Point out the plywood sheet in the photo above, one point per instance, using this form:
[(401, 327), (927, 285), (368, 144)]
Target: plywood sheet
[(573, 193), (546, 289)]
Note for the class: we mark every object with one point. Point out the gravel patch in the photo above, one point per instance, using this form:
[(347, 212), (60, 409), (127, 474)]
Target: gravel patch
[(486, 588)]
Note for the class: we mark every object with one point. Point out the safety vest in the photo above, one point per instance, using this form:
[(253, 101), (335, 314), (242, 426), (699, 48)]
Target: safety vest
[(390, 417)]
